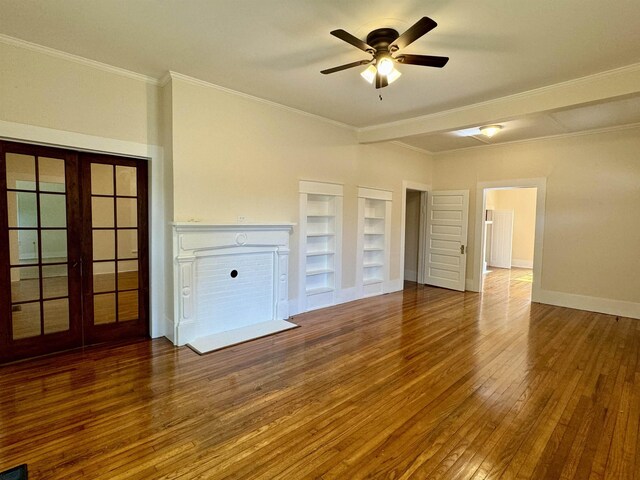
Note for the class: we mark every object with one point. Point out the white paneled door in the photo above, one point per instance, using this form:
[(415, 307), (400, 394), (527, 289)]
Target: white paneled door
[(446, 245), (501, 239)]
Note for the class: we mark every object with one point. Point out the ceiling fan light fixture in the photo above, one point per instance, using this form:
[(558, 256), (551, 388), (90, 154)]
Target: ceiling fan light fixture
[(385, 66), (393, 76), (369, 74), (490, 130)]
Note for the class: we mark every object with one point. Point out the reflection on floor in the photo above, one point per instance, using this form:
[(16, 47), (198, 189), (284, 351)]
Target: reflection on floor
[(55, 313), (423, 383), (505, 283)]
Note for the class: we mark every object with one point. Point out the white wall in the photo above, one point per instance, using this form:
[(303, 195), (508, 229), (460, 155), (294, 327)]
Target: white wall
[(592, 225), (236, 156)]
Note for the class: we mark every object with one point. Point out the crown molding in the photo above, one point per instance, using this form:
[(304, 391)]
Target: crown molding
[(163, 80), (625, 76), (411, 147), (16, 42), (559, 136), (203, 83)]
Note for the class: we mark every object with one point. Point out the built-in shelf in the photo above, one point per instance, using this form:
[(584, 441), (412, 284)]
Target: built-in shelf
[(320, 243), (318, 290), (374, 230), (319, 272), (314, 254)]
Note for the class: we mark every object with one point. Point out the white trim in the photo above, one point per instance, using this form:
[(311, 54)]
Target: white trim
[(408, 185), (479, 247), (559, 136), (203, 83), (607, 306), (396, 285), (157, 250), (520, 263), (375, 193), (87, 62), (321, 188), (411, 147)]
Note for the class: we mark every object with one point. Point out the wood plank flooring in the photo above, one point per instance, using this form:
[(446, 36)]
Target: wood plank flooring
[(425, 383)]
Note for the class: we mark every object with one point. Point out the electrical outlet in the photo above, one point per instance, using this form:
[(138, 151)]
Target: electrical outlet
[(242, 219)]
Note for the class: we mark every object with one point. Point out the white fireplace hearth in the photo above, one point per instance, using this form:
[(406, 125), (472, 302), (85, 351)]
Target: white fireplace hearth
[(231, 282)]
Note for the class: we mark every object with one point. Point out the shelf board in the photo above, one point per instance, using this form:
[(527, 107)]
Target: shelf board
[(373, 233), (369, 217), (372, 281), (316, 291), (321, 215), (374, 249), (319, 271), (321, 234), (313, 254), (372, 265)]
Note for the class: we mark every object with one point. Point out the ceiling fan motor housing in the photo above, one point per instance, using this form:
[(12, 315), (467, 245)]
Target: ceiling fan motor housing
[(381, 38)]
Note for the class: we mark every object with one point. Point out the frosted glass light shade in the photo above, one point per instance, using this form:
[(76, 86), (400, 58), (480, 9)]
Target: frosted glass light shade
[(369, 74)]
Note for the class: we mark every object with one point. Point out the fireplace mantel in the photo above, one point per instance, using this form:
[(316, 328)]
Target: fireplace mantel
[(210, 300)]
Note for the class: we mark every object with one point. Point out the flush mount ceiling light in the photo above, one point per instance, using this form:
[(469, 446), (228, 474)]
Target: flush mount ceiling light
[(381, 44), (490, 130)]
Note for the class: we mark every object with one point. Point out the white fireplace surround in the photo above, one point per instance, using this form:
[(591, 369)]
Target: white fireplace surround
[(229, 276)]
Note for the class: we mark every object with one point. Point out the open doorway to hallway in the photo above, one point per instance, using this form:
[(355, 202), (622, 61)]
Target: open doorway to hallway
[(412, 236), (509, 229)]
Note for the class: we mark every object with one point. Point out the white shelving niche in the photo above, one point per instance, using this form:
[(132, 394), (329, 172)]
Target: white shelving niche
[(320, 243), (374, 231)]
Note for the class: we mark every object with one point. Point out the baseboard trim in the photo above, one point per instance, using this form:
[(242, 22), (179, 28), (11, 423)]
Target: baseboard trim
[(519, 263), (608, 306), (394, 285), (469, 285)]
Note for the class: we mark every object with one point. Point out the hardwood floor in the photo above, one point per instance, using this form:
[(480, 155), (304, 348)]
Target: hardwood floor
[(425, 383)]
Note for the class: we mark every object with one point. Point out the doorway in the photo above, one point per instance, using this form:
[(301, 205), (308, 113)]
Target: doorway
[(75, 270), (413, 231), (412, 235), (511, 236)]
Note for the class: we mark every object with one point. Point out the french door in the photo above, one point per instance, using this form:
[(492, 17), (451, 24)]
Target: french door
[(74, 256)]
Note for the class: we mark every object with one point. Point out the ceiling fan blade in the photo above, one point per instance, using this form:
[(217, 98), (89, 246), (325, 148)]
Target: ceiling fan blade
[(355, 41), (344, 67), (418, 29), (381, 81), (424, 60)]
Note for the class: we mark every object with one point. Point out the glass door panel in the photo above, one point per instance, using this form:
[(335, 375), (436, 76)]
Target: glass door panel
[(37, 220), (115, 221)]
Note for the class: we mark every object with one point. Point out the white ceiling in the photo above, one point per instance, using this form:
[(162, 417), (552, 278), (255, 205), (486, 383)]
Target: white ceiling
[(275, 49), (603, 115)]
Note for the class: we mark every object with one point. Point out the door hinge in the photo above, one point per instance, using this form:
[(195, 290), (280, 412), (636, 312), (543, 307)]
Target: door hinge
[(462, 249)]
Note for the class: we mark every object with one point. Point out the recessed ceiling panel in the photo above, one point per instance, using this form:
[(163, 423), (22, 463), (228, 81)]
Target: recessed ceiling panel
[(602, 115), (440, 142)]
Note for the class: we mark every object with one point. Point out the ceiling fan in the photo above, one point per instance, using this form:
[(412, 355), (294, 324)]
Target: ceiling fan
[(382, 44)]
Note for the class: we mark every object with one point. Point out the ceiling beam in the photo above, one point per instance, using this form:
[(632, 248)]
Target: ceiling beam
[(591, 89)]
